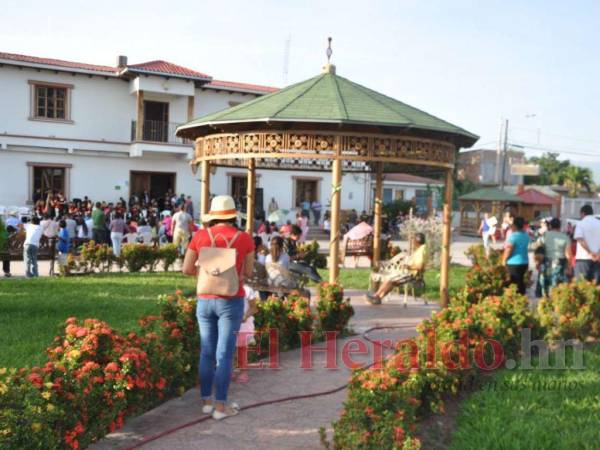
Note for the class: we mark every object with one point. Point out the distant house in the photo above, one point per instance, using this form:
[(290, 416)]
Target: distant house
[(421, 191), (530, 202), (474, 205), (484, 167)]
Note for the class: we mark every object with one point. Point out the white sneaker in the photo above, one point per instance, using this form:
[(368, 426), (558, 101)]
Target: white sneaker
[(231, 409), (208, 409)]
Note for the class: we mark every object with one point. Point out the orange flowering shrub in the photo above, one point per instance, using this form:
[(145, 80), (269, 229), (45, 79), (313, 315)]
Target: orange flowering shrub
[(95, 377), (333, 311), (572, 311), (288, 317), (385, 401)]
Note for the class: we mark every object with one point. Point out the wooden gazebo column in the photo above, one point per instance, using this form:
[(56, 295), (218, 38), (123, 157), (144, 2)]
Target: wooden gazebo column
[(250, 197), (204, 188), (334, 236), (377, 207), (446, 238)]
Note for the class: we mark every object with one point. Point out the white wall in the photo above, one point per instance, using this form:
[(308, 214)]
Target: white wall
[(171, 86), (103, 109), (209, 101), (100, 108), (93, 176), (280, 185)]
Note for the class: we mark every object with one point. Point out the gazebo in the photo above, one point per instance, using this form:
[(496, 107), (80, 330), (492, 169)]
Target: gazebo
[(329, 123), (492, 201)]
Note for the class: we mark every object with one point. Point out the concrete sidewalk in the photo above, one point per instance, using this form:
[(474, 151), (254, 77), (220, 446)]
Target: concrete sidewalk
[(286, 425)]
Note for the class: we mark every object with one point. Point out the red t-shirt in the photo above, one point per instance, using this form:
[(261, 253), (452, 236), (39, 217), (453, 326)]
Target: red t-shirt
[(244, 244)]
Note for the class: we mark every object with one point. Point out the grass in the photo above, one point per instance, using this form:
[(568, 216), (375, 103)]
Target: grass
[(513, 412), (359, 279), (31, 311)]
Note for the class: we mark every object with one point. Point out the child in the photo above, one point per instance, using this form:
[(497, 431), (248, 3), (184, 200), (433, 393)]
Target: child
[(246, 333)]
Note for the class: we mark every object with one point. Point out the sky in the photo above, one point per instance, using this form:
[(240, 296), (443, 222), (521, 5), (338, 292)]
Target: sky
[(472, 63)]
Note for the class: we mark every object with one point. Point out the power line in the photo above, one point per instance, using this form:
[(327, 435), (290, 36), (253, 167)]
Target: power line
[(556, 149), (570, 138)]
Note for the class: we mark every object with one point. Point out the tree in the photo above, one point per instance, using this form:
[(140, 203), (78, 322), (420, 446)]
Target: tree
[(561, 173), (577, 178), (552, 171)]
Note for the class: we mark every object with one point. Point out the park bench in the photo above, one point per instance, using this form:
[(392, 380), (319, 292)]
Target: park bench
[(14, 249), (361, 247)]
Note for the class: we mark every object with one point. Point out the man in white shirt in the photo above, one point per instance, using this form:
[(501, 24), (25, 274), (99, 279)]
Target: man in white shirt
[(33, 234), (49, 227), (180, 228), (587, 235)]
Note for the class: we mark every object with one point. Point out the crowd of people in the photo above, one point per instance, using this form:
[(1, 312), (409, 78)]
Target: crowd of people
[(558, 256), (142, 219)]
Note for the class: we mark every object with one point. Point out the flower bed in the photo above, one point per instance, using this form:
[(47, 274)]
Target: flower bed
[(135, 257), (385, 401), (95, 377)]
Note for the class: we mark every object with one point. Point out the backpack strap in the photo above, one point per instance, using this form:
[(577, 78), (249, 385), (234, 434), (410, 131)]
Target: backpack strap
[(211, 237), (228, 243), (233, 239)]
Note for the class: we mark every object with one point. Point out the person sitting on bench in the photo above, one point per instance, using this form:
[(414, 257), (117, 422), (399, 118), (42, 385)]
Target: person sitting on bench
[(415, 263)]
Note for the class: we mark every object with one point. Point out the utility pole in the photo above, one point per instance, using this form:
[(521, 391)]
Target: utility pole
[(504, 153), (498, 153)]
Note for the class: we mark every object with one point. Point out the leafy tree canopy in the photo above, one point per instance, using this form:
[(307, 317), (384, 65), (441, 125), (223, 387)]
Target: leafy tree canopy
[(562, 173)]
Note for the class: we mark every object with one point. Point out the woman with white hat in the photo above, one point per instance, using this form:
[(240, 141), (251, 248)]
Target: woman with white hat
[(221, 256)]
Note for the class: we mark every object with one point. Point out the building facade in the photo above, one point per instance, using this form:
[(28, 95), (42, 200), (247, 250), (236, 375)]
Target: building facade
[(109, 132), (484, 167)]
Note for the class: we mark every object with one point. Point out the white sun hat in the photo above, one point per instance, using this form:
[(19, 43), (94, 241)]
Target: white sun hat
[(222, 207)]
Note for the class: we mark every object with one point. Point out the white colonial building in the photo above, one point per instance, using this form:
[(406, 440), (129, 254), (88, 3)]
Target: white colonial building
[(109, 132)]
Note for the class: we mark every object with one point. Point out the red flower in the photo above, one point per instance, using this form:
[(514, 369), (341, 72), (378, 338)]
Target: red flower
[(36, 380), (399, 434), (81, 332), (161, 384), (112, 367), (176, 333)]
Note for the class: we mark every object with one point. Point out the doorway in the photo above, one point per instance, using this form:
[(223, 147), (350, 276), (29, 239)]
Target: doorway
[(305, 190), (156, 121), (156, 183), (239, 186)]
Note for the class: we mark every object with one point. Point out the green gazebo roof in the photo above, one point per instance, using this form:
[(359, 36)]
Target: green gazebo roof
[(330, 99), (491, 195)]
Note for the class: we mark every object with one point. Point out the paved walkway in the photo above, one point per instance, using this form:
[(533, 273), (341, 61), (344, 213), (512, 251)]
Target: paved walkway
[(286, 425)]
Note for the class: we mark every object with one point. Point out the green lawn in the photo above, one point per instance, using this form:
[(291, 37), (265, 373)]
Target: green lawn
[(359, 279), (513, 412), (32, 310)]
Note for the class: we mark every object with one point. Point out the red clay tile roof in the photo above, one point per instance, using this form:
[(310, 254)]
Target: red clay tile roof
[(56, 62), (533, 197), (159, 67), (245, 86), (408, 178), (167, 68)]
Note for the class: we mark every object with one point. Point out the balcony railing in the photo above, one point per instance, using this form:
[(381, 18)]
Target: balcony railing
[(157, 131)]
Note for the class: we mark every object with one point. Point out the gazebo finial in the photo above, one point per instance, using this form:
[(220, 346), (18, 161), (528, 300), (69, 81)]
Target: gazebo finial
[(329, 68)]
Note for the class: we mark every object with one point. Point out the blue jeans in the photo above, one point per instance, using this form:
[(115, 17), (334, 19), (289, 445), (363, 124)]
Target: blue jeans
[(30, 253), (588, 269), (219, 321)]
